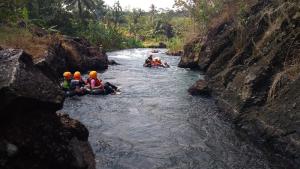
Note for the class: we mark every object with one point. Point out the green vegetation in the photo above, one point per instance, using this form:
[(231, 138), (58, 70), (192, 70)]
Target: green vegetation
[(113, 27)]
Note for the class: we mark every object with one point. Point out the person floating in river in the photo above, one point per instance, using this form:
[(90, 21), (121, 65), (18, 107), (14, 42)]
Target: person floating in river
[(95, 85), (155, 62), (77, 84), (148, 61), (66, 84)]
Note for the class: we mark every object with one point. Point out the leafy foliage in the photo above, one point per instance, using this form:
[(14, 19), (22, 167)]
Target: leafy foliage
[(111, 27)]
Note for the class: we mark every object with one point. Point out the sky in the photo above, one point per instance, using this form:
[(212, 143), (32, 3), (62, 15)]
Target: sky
[(143, 4)]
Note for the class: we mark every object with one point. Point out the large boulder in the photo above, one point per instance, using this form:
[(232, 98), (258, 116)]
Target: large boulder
[(81, 55), (71, 54), (20, 79), (33, 135)]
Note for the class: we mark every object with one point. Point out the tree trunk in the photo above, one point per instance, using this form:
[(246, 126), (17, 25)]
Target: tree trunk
[(80, 10)]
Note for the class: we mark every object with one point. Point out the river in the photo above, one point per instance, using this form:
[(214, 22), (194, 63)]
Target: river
[(155, 124)]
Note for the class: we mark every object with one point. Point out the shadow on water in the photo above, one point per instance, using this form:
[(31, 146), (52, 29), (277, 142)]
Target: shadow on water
[(154, 123)]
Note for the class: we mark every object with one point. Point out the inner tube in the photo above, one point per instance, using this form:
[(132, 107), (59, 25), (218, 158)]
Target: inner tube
[(69, 93), (96, 92), (147, 65)]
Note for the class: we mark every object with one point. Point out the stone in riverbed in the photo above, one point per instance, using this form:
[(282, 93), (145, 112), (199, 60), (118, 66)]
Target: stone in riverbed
[(200, 88), (113, 62)]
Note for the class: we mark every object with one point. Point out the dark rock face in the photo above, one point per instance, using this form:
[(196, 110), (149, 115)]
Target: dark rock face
[(200, 88), (176, 53), (257, 76), (71, 54), (33, 135)]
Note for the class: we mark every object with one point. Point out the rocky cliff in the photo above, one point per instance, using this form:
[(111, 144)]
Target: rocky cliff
[(254, 69), (33, 135)]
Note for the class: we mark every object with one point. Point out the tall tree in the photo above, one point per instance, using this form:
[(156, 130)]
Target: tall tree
[(117, 13), (200, 10), (134, 25), (100, 9), (81, 6), (153, 12)]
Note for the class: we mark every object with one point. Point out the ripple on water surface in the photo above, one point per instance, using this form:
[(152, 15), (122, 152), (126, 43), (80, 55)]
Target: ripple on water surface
[(154, 123)]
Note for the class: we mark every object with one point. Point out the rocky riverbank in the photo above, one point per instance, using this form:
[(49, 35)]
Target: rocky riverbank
[(33, 134), (255, 71)]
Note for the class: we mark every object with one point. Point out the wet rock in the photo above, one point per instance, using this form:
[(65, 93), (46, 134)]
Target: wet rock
[(32, 134), (155, 51), (176, 53), (113, 62), (200, 88)]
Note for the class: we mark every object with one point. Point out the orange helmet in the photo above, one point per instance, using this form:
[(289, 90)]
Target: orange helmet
[(68, 75), (77, 75), (93, 74)]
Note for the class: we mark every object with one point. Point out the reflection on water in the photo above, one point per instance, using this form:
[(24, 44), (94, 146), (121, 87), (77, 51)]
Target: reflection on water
[(154, 123)]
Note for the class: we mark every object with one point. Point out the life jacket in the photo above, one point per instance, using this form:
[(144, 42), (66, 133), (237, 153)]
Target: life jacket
[(66, 84), (155, 63), (98, 82), (77, 83)]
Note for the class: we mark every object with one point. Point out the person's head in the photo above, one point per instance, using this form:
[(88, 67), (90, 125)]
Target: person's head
[(93, 74), (77, 75), (67, 75), (151, 56)]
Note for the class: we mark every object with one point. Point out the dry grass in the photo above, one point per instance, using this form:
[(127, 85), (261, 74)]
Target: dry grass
[(23, 39)]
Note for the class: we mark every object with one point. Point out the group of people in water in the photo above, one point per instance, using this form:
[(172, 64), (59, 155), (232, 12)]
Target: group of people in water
[(75, 85), (155, 62)]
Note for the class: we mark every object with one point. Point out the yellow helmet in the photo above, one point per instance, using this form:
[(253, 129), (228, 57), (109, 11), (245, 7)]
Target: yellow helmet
[(93, 74), (67, 75), (77, 75)]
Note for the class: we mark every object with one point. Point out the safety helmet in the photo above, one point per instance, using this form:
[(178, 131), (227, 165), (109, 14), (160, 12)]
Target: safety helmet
[(77, 75), (67, 75), (93, 74)]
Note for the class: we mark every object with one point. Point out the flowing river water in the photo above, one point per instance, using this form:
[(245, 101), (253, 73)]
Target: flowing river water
[(155, 124)]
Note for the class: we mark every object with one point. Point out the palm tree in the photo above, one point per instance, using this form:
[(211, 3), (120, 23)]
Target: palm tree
[(117, 13), (153, 11), (81, 5)]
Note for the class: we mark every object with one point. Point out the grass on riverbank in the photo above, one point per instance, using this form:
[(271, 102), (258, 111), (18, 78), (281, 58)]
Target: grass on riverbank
[(22, 38)]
